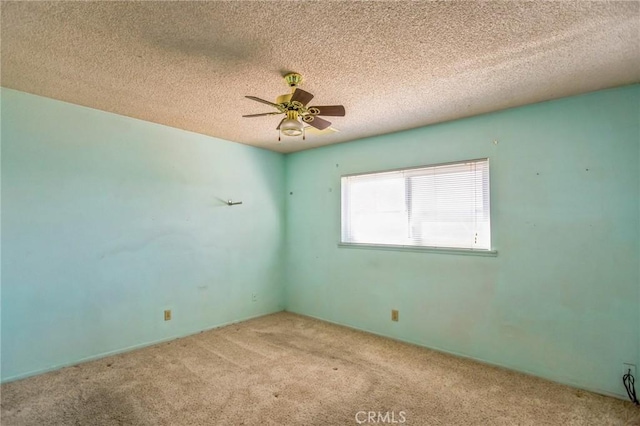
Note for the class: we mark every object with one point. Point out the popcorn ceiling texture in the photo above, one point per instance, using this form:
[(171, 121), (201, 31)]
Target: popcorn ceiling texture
[(393, 65)]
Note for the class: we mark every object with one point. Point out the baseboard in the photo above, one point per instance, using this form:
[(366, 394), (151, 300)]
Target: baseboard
[(128, 349), (480, 360)]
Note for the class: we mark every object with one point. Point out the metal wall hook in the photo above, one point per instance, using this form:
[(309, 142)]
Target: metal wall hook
[(231, 203)]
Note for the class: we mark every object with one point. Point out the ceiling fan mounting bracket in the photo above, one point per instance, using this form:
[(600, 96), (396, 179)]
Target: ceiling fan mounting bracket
[(293, 79)]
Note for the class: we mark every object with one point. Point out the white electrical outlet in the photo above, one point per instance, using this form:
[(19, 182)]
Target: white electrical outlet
[(628, 366), (254, 297)]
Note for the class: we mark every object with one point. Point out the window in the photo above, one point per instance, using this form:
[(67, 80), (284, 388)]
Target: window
[(440, 206)]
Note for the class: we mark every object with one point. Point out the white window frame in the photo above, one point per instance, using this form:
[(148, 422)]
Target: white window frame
[(410, 241)]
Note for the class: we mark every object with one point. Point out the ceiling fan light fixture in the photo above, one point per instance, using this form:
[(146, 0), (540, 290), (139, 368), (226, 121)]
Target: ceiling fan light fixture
[(290, 126)]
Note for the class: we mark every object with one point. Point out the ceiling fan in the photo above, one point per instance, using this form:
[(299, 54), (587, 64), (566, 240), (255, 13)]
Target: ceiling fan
[(294, 107)]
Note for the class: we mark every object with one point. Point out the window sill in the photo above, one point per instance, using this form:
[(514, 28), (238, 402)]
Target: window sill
[(439, 250)]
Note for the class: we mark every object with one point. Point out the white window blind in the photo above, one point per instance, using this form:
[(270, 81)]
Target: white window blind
[(443, 206)]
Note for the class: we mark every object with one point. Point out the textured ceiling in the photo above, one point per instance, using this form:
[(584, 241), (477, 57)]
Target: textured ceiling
[(393, 65)]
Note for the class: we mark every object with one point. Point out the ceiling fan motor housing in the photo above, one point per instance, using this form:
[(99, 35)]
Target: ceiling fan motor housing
[(284, 99)]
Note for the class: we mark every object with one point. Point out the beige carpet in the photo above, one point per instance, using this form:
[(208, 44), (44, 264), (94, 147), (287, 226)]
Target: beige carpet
[(286, 369)]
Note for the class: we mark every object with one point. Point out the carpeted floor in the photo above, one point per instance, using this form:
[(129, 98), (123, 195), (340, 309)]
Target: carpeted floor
[(286, 369)]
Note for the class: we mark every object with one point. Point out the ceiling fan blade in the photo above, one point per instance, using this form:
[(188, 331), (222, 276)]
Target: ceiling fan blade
[(301, 96), (319, 123), (253, 98), (280, 124), (260, 115), (332, 110)]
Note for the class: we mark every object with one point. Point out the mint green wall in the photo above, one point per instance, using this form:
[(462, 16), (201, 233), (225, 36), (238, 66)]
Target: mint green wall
[(107, 221), (560, 300)]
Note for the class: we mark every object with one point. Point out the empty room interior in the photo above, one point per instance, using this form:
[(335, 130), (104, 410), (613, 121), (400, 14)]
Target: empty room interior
[(320, 213)]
